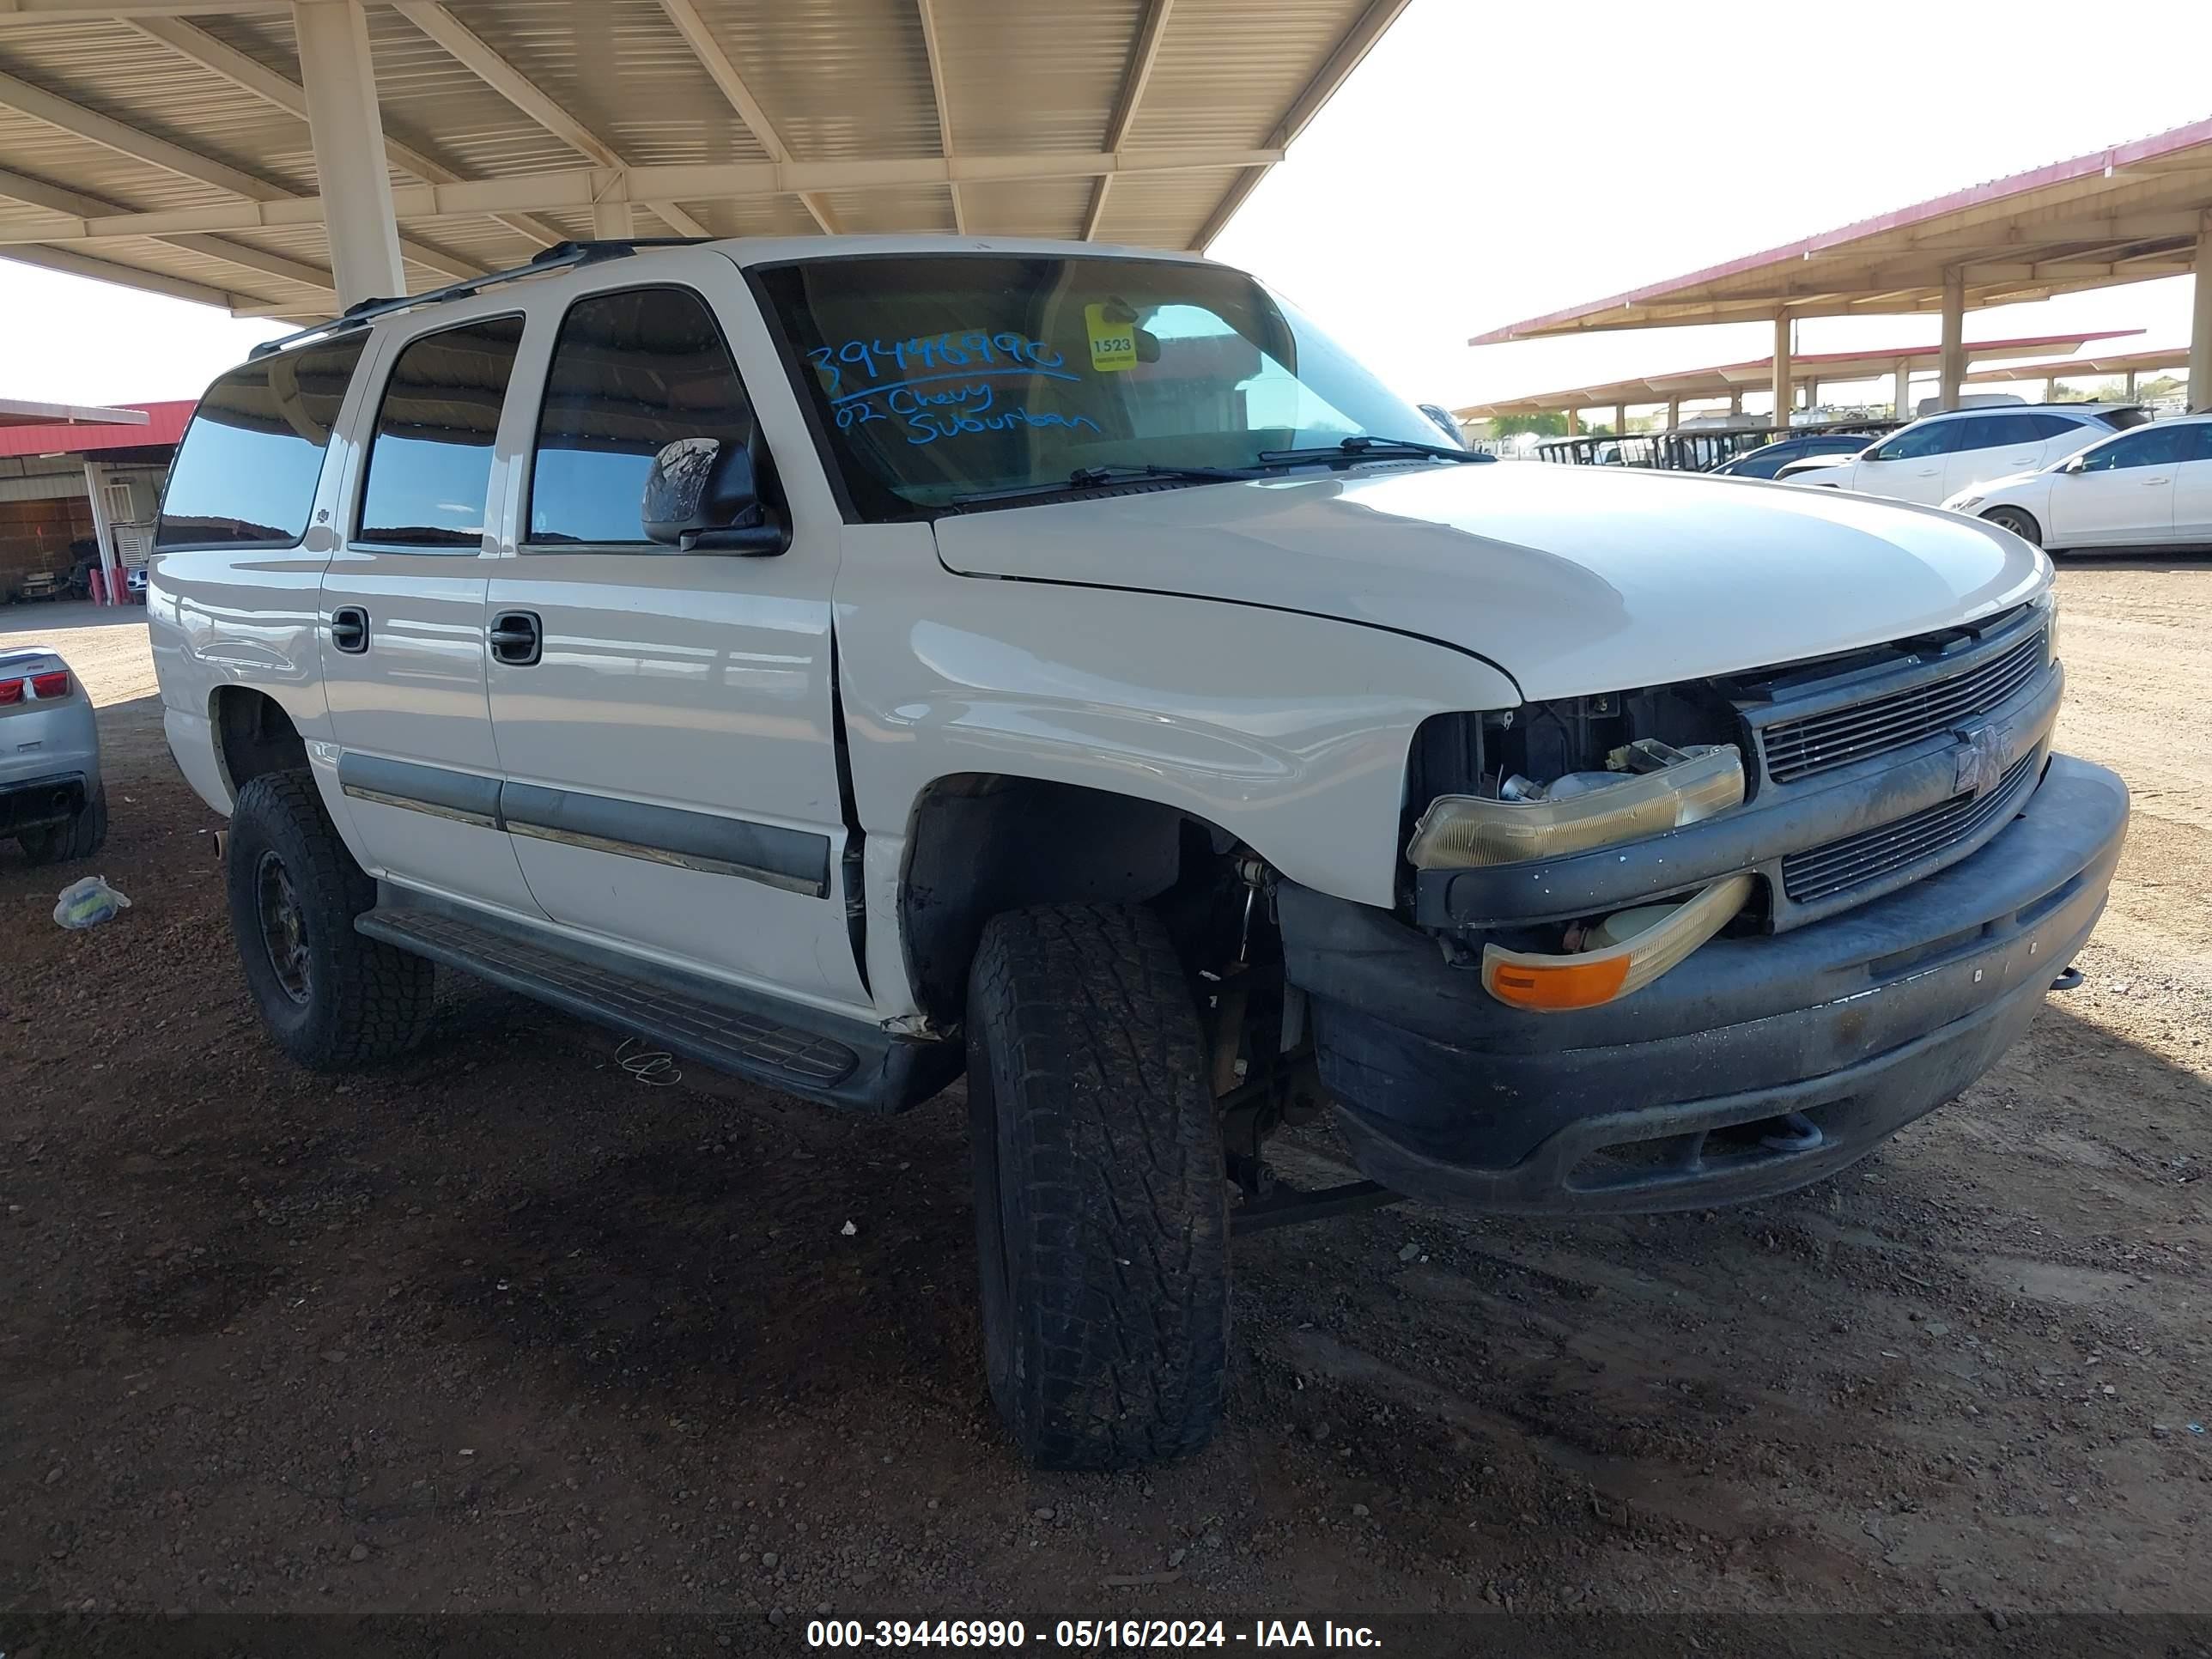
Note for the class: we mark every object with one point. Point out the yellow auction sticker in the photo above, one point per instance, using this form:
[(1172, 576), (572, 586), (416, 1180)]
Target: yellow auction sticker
[(1113, 343)]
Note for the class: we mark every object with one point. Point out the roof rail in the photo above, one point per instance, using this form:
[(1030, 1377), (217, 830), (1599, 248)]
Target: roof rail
[(562, 256)]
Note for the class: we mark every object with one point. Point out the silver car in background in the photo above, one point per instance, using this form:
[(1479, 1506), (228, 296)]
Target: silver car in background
[(50, 797)]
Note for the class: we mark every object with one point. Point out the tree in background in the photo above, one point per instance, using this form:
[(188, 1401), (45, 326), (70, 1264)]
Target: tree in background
[(1550, 425)]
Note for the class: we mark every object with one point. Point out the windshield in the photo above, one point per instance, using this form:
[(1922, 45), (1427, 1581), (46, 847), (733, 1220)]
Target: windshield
[(941, 376)]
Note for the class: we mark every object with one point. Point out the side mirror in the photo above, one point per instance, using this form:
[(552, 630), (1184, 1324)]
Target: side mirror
[(2074, 465), (704, 497)]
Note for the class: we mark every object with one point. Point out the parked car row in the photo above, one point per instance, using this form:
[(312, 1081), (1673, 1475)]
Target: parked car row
[(2063, 475)]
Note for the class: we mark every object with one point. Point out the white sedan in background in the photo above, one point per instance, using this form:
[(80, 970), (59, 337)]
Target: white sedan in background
[(2148, 487)]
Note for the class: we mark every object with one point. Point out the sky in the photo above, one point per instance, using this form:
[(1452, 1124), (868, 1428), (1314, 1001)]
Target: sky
[(1490, 162)]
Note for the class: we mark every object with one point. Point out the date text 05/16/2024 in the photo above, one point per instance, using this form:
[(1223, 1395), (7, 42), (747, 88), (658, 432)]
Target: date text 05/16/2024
[(1087, 1635)]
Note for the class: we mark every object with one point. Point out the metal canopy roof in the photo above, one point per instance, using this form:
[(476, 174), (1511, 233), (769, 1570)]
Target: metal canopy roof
[(1723, 378), (2125, 362), (13, 412), (2122, 215), (164, 143)]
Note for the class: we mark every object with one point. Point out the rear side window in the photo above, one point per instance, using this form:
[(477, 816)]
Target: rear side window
[(429, 464), (246, 474), (631, 373), (2046, 427)]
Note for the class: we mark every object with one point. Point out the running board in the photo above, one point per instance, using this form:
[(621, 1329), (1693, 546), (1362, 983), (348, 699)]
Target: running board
[(694, 1018)]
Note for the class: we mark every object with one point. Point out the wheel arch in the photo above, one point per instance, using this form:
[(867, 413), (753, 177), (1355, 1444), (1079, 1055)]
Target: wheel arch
[(982, 843), (254, 734)]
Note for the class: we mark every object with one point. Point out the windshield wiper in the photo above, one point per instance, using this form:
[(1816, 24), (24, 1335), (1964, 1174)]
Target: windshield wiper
[(1104, 477), (1362, 446)]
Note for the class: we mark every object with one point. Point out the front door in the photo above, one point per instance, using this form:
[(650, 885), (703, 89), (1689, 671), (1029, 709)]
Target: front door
[(668, 734), (402, 624), (1909, 466), (2124, 494)]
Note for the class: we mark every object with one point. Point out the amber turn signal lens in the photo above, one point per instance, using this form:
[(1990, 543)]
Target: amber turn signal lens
[(1567, 984)]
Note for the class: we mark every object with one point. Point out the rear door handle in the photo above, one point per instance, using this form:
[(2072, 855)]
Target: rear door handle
[(517, 637), (349, 629)]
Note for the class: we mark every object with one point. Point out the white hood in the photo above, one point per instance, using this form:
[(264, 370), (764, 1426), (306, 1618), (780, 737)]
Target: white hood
[(1574, 580)]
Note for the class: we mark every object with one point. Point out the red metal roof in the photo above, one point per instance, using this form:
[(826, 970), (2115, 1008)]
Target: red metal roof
[(2123, 170), (165, 426)]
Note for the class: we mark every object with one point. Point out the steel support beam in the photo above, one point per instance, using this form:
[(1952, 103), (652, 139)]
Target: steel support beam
[(347, 129), (467, 47), (195, 43), (936, 55), (724, 74), (1900, 391), (613, 221), (1783, 397), (1952, 357), (31, 13), (1150, 34), (583, 188), (2200, 326), (1355, 46), (72, 263), (34, 192)]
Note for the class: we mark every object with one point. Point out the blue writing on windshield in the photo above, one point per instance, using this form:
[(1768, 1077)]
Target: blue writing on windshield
[(974, 348), (947, 386)]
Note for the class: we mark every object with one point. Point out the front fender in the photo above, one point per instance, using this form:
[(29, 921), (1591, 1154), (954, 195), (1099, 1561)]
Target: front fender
[(1289, 731)]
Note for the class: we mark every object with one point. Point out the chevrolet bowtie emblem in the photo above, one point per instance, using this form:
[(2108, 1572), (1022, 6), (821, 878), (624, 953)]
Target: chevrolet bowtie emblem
[(1980, 761)]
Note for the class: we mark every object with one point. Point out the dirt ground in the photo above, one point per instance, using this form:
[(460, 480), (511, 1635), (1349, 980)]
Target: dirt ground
[(503, 1329)]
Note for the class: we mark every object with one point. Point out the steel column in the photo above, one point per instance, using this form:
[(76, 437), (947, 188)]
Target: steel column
[(2200, 326), (613, 221), (1900, 394), (340, 81), (1784, 398), (1953, 357)]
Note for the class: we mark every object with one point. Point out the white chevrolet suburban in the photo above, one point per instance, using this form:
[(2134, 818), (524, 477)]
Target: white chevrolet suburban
[(849, 662)]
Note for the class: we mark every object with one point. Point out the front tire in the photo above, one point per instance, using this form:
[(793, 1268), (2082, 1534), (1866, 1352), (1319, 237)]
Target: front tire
[(1102, 1211), (2020, 524), (79, 838), (333, 999)]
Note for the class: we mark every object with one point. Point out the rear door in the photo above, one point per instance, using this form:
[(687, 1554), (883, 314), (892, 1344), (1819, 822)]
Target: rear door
[(1908, 466), (671, 746), (403, 649), (1996, 446), (2124, 494)]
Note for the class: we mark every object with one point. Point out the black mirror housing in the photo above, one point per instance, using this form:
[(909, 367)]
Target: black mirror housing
[(703, 495)]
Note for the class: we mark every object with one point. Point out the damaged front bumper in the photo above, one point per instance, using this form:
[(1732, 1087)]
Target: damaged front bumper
[(1861, 1022)]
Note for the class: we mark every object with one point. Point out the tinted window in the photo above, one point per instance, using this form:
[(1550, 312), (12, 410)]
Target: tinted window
[(429, 464), (2122, 420), (1918, 442), (2158, 446), (2046, 427), (631, 373), (245, 475)]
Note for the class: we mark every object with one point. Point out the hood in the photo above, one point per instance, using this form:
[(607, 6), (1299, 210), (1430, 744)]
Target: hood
[(1574, 580)]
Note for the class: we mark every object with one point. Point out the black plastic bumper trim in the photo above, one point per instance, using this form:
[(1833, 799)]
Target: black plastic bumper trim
[(1782, 820)]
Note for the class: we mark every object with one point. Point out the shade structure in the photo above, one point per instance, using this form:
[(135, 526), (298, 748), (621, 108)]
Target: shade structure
[(211, 149)]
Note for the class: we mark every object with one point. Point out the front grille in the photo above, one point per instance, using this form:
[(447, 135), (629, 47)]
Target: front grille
[(1819, 742), (1823, 872)]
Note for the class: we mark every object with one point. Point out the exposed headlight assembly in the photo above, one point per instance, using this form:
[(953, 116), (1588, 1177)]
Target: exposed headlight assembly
[(1664, 788)]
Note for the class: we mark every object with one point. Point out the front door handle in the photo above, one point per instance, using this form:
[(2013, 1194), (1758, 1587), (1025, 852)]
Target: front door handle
[(349, 629), (517, 637), (2148, 482)]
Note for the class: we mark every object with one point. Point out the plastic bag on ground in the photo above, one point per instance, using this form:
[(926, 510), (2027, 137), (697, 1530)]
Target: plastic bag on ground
[(89, 902)]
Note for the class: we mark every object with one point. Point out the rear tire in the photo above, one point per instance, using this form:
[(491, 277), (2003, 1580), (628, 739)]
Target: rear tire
[(79, 838), (1102, 1209), (333, 1000), (2021, 524)]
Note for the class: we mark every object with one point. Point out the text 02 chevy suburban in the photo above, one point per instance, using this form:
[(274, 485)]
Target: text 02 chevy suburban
[(854, 662)]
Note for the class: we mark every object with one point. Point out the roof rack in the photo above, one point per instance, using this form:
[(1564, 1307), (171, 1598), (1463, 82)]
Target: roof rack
[(562, 256)]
